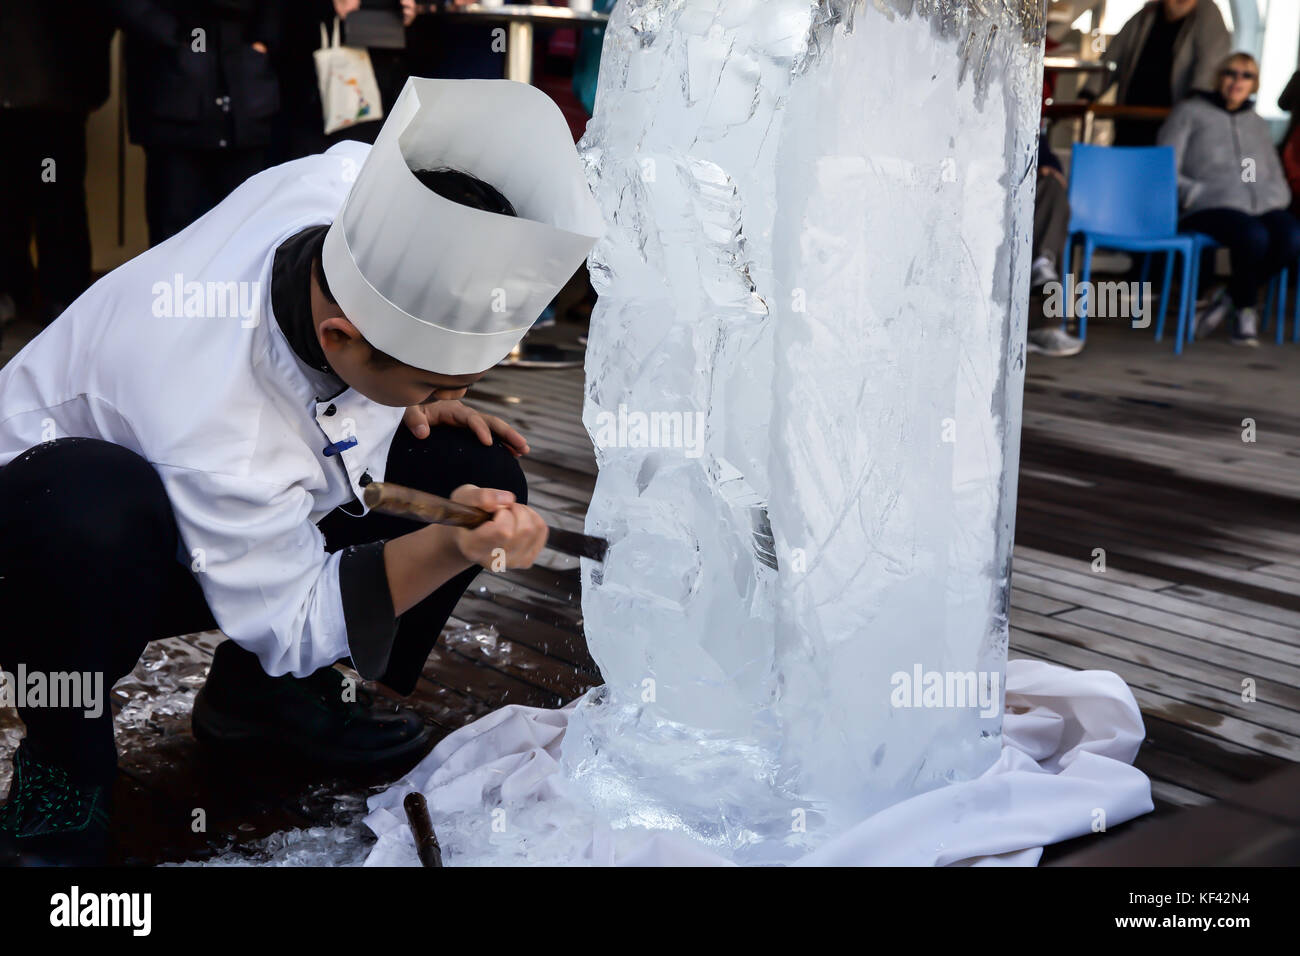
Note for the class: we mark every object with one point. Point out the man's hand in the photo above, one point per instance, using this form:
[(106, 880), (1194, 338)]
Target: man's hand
[(343, 7), (421, 418), (512, 539), (1054, 173), (408, 12), (419, 562)]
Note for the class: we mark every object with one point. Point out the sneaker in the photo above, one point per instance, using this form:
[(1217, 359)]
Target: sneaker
[(1245, 328), (50, 821), (319, 718), (1220, 308), (1054, 343), (1042, 272)]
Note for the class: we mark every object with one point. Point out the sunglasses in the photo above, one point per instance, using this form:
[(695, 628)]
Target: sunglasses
[(1240, 74)]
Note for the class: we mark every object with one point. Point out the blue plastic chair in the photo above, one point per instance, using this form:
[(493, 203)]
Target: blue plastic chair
[(1126, 198), (1164, 287), (1277, 287), (1201, 245)]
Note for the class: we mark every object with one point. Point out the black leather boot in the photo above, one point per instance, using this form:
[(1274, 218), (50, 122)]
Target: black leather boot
[(51, 820), (312, 717)]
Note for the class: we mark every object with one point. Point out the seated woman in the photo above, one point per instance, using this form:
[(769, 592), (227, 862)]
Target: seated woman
[(1232, 188)]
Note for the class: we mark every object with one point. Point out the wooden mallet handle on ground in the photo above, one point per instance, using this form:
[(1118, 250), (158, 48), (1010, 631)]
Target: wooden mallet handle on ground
[(426, 842), (403, 502)]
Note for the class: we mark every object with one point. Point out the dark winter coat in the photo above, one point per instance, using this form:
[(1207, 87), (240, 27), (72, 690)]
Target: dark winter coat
[(193, 78), (53, 56)]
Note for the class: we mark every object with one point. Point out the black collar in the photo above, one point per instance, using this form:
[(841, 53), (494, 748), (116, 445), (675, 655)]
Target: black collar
[(1215, 97), (291, 296)]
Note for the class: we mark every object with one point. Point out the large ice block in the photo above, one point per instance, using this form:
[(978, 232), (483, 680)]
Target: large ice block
[(807, 353)]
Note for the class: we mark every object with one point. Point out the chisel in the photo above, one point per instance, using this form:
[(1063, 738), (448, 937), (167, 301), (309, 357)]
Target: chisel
[(403, 502)]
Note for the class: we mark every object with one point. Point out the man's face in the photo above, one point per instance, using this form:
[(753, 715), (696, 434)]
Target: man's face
[(396, 384), (1177, 9), (383, 381)]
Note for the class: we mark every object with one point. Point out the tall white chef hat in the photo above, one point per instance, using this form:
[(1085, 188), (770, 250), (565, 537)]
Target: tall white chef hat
[(443, 286)]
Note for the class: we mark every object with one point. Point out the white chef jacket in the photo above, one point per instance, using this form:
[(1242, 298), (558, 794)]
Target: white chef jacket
[(232, 420)]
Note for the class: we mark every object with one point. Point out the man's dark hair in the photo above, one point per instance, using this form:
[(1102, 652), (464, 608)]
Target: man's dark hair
[(465, 189)]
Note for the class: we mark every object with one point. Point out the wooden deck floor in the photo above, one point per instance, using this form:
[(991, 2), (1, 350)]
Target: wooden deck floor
[(1125, 448), (1137, 452)]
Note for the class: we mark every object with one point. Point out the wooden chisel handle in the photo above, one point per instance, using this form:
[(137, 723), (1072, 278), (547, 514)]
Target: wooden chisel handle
[(406, 502), (403, 502)]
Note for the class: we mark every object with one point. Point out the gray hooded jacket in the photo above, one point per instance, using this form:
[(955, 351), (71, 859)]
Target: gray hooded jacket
[(1225, 160)]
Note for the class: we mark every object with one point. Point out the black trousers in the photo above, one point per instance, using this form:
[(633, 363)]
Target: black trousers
[(183, 184), (1258, 246), (1051, 218), (90, 573), (43, 168)]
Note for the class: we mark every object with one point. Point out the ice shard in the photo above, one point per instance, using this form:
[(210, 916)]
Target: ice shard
[(804, 379)]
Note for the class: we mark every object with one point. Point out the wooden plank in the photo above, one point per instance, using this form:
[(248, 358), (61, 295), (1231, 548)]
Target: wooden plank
[(485, 684), (1221, 756), (1172, 698), (1268, 647), (1175, 795), (1243, 607), (518, 621), (1023, 554), (1104, 592), (1171, 527), (1277, 704), (1234, 515), (1141, 552), (1029, 601), (517, 660), (1231, 832), (1222, 657)]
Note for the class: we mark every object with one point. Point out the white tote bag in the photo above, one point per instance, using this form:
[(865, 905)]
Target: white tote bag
[(349, 93)]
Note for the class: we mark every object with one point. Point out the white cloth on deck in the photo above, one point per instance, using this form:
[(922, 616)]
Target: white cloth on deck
[(1068, 742)]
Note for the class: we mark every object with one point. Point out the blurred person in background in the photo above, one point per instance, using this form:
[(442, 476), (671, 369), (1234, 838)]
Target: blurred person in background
[(53, 73), (1290, 102), (1232, 188), (1051, 231), (201, 99), (457, 49), (1165, 51), (300, 128)]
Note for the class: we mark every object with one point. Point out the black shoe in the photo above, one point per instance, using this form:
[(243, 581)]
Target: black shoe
[(310, 717), (50, 821)]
